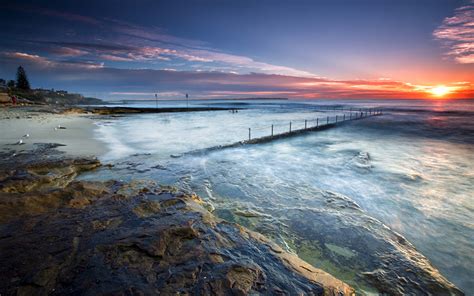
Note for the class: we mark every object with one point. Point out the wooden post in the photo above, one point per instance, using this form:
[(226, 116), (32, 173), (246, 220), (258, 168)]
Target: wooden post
[(290, 126), (317, 122), (272, 130), (305, 123), (250, 134)]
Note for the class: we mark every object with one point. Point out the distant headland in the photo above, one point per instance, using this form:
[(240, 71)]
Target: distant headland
[(19, 92)]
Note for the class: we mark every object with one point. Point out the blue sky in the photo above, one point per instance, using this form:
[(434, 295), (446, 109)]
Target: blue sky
[(301, 49)]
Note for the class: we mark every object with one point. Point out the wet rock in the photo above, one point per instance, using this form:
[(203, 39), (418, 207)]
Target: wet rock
[(149, 243), (91, 238), (43, 167), (391, 264)]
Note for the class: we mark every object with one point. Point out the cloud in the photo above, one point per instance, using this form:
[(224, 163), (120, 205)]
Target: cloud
[(115, 58), (27, 57), (43, 62), (89, 46), (457, 34), (115, 83), (69, 52), (110, 51), (83, 60), (152, 53), (149, 44)]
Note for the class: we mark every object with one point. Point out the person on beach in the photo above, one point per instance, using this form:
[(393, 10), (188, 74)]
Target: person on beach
[(14, 100)]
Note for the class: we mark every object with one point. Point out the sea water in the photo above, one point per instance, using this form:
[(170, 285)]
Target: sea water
[(412, 168)]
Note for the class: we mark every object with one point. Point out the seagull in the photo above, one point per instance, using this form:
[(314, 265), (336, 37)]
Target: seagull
[(26, 136), (20, 142)]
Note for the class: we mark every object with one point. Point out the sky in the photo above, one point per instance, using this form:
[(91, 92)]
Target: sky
[(230, 49)]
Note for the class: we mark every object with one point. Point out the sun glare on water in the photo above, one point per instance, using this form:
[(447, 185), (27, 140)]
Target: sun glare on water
[(440, 91)]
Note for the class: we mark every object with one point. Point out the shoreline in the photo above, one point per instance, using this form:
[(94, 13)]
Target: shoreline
[(75, 132), (79, 130), (70, 126)]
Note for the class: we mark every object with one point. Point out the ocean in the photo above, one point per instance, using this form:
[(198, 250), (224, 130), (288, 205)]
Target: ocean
[(321, 194)]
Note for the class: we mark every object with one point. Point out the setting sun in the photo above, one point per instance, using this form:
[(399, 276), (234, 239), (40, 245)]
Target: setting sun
[(440, 90)]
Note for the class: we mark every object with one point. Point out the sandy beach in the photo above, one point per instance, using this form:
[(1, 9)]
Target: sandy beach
[(42, 124)]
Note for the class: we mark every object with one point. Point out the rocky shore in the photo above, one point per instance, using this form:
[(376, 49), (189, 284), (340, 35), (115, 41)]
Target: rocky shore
[(59, 235), (63, 236)]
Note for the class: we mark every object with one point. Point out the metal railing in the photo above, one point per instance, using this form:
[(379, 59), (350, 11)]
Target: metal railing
[(312, 124), (288, 129)]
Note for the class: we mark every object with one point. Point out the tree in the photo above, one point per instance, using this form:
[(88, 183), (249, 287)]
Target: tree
[(11, 84), (21, 79)]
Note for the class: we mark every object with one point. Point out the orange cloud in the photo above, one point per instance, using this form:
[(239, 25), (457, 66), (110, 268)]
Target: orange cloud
[(224, 84)]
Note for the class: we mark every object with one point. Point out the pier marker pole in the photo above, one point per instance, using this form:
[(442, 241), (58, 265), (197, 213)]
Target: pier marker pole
[(272, 130), (305, 123), (317, 122), (250, 134), (290, 126)]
